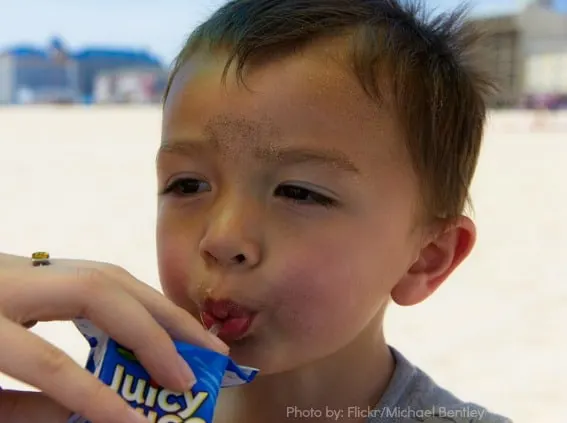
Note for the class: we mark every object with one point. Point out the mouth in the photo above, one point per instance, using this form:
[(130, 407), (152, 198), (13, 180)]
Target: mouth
[(231, 320)]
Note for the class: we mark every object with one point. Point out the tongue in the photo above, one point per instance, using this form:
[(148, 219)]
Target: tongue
[(230, 329), (235, 328)]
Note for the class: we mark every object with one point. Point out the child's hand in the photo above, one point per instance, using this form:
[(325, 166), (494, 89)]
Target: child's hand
[(131, 312)]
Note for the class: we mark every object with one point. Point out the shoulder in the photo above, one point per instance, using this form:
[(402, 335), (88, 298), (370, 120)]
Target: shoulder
[(414, 397)]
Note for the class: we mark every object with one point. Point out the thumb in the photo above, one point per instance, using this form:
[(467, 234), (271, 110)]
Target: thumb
[(26, 407)]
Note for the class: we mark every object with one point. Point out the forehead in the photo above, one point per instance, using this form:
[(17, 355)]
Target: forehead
[(310, 98)]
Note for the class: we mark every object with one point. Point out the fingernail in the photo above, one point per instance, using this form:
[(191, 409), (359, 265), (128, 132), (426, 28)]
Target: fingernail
[(187, 374), (136, 416), (221, 346)]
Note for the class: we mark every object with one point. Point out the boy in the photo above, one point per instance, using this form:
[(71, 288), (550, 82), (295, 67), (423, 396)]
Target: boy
[(315, 162)]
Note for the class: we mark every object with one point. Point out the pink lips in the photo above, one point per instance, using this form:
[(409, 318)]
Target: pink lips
[(234, 320)]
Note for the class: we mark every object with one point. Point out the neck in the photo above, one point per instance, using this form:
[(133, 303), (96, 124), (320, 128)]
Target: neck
[(343, 384)]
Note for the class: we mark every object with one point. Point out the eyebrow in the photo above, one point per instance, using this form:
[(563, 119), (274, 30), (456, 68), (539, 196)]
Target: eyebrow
[(279, 155), (183, 148)]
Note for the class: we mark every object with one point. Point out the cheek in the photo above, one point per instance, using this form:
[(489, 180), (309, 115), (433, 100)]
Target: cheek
[(330, 284), (174, 267), (325, 293)]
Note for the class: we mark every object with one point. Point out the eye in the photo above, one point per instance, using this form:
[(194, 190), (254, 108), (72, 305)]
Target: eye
[(302, 195), (186, 187)]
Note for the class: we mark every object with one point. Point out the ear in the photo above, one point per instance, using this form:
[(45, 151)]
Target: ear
[(438, 258)]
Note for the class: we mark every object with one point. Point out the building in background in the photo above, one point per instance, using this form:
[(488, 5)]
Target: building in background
[(527, 53), (31, 75), (545, 53), (130, 86), (57, 75), (92, 62), (503, 58)]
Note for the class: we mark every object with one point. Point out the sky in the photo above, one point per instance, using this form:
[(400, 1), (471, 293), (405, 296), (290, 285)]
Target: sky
[(160, 26)]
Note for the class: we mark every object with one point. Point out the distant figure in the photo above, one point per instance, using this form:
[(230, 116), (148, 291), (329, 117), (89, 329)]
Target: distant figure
[(544, 105)]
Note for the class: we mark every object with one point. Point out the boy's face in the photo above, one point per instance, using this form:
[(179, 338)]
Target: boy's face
[(293, 198)]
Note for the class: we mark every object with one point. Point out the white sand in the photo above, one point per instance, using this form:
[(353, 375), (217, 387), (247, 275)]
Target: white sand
[(492, 333)]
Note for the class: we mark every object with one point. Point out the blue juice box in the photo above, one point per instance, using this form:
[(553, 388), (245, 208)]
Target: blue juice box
[(118, 368)]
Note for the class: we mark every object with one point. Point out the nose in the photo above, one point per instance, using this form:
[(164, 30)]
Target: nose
[(231, 240)]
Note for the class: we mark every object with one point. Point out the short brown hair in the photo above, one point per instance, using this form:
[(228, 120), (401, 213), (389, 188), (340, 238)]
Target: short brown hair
[(437, 88)]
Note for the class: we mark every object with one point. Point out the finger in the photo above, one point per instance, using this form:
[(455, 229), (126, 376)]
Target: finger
[(34, 361), (25, 407), (179, 323), (56, 295)]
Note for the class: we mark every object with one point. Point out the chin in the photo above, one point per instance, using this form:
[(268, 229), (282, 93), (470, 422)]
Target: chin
[(270, 359), (249, 352)]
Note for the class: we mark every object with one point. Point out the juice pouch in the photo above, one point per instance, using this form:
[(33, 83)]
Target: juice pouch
[(118, 368)]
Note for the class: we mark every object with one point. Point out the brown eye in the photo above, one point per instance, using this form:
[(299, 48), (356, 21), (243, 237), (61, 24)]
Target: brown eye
[(187, 186), (303, 195)]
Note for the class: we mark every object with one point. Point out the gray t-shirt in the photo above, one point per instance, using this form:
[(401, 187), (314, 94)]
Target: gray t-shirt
[(413, 397)]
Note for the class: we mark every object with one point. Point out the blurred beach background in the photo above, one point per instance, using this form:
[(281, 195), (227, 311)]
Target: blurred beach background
[(78, 179)]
